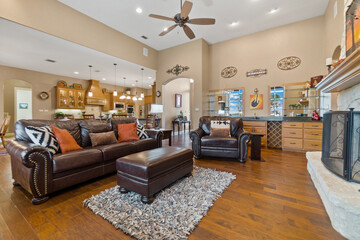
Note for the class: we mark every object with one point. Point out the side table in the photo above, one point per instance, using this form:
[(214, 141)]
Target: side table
[(256, 146), (167, 133)]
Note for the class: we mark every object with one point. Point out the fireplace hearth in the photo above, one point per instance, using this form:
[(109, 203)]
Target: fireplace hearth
[(341, 144)]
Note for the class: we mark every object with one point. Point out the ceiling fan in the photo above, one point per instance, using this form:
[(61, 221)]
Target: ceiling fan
[(182, 18)]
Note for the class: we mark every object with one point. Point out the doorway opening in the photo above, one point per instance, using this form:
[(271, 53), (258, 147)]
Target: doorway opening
[(176, 101), (17, 101)]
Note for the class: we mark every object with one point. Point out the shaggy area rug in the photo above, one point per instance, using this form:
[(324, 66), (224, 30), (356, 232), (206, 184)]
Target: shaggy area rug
[(175, 212)]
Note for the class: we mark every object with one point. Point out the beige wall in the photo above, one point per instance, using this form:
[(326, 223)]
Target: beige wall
[(263, 50), (57, 19), (45, 109), (177, 86), (191, 55)]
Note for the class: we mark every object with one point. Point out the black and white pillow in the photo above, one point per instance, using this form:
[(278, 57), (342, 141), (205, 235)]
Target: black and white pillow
[(142, 132), (44, 137)]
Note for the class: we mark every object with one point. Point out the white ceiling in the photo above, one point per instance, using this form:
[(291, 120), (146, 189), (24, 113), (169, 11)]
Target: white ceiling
[(26, 48), (252, 15)]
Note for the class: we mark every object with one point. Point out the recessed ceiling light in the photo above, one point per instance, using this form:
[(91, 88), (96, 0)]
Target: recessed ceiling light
[(76, 72), (133, 84), (273, 10), (150, 77), (103, 79), (165, 29), (139, 10), (233, 24)]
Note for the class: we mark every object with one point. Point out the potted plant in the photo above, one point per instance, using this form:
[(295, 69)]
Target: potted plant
[(298, 105), (59, 115)]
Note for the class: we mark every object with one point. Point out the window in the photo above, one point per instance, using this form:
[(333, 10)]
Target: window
[(226, 103), (276, 101)]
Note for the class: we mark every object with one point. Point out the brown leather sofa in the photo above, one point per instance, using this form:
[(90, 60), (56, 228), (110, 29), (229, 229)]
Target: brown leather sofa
[(41, 173), (235, 146)]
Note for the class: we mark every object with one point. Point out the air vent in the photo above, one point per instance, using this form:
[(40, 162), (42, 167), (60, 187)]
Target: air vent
[(144, 37), (50, 60), (97, 71)]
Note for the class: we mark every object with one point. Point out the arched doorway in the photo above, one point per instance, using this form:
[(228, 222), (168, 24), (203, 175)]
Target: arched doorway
[(17, 101), (173, 91)]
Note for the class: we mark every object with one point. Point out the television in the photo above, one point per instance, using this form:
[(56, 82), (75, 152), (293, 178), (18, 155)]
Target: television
[(353, 27)]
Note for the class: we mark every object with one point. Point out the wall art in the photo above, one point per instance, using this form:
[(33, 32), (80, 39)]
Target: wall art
[(177, 70), (289, 63), (256, 73), (228, 72), (256, 101)]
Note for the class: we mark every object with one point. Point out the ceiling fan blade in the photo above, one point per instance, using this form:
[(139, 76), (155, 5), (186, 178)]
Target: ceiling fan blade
[(189, 32), (202, 21), (161, 17), (168, 30), (185, 10)]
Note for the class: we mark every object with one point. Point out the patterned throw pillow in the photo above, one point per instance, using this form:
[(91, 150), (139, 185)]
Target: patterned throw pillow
[(220, 128), (142, 132), (44, 137)]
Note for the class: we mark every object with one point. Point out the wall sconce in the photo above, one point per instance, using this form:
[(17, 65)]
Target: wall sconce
[(329, 63)]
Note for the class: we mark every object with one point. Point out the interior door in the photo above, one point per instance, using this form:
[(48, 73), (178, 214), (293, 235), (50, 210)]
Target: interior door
[(23, 103)]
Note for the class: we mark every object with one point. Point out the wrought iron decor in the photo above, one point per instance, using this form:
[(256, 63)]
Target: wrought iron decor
[(228, 72), (289, 63), (177, 70), (256, 73)]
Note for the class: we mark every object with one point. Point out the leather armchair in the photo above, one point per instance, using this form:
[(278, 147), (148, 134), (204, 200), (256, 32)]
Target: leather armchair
[(235, 146)]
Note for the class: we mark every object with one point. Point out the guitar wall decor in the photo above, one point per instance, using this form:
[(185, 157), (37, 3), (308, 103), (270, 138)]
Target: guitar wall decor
[(256, 100)]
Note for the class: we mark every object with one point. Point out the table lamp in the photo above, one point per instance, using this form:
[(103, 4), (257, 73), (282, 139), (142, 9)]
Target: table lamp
[(156, 109)]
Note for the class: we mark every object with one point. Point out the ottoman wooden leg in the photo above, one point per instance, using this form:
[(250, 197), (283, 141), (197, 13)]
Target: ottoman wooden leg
[(123, 190), (147, 200)]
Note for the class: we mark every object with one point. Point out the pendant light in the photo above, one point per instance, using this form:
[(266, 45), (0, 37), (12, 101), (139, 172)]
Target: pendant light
[(115, 92), (123, 96), (90, 94), (142, 95)]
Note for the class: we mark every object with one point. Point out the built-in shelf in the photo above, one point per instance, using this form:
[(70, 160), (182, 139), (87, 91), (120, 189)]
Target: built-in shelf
[(346, 75)]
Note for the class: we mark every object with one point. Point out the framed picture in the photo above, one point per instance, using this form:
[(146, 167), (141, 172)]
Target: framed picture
[(352, 27), (178, 100), (256, 101), (23, 106), (219, 98)]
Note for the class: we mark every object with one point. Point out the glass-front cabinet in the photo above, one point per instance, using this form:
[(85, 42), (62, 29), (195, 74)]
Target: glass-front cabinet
[(70, 98), (298, 99), (225, 102)]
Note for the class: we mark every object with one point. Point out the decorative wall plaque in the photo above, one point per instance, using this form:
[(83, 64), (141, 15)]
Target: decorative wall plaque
[(178, 69), (289, 63), (256, 73), (229, 72)]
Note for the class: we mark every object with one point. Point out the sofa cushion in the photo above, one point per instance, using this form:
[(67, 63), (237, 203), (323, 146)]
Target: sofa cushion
[(122, 120), (92, 126), (71, 126), (145, 144), (114, 151), (235, 124), (44, 137), (104, 138), (66, 141), (127, 132), (226, 142), (77, 159)]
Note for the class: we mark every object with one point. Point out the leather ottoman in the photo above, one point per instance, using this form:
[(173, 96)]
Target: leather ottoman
[(150, 171)]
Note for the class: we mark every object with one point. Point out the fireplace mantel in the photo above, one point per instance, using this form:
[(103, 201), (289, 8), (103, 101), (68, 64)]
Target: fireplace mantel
[(346, 75)]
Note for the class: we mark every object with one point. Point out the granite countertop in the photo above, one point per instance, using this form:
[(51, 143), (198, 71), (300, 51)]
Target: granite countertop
[(279, 119)]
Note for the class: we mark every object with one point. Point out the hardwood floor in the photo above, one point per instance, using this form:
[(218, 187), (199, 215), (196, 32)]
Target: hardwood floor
[(274, 199)]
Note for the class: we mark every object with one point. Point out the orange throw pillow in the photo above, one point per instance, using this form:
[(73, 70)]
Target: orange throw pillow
[(127, 132), (66, 141)]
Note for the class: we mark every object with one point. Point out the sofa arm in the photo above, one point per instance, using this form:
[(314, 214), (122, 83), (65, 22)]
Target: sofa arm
[(157, 135), (243, 139), (39, 160), (195, 137)]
